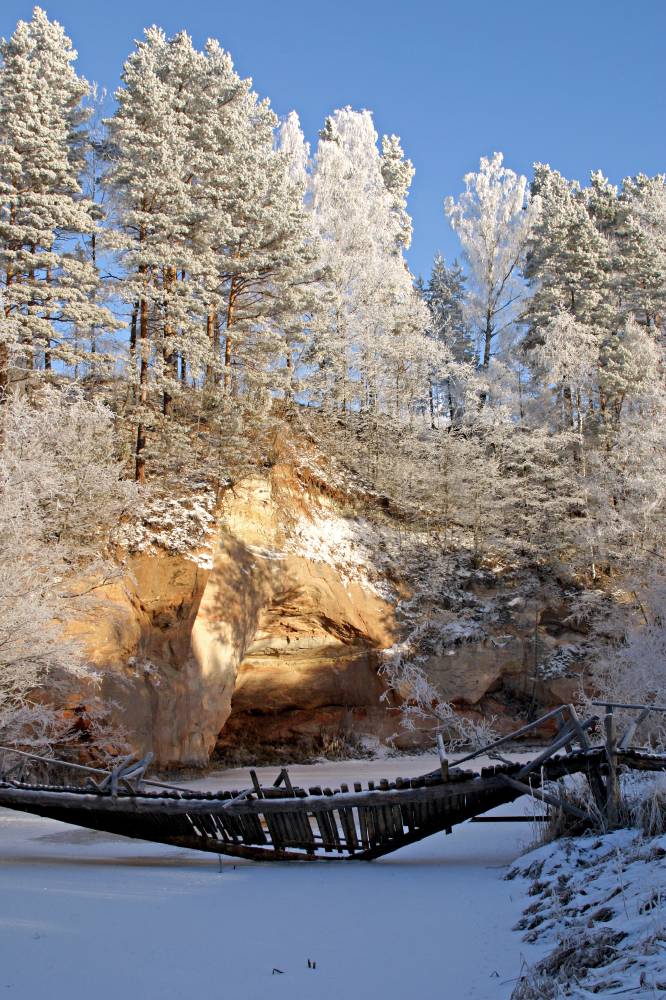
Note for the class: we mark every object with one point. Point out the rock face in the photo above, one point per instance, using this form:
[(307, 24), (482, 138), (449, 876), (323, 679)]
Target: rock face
[(310, 669), (279, 642), (287, 639)]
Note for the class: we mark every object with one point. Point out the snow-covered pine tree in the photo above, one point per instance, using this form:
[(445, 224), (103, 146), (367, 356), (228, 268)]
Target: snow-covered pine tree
[(49, 288), (568, 264), (150, 179), (369, 347), (298, 319), (398, 173), (260, 257), (643, 249), (444, 295)]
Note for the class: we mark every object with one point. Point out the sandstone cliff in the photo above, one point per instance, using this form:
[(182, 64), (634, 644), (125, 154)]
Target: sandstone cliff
[(276, 636)]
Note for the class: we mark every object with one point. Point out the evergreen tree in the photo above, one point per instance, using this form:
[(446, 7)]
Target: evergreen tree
[(150, 178), (445, 297), (568, 263), (369, 348), (643, 249), (49, 287), (398, 173)]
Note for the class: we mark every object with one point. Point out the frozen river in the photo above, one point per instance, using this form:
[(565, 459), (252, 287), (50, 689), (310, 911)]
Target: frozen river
[(85, 913)]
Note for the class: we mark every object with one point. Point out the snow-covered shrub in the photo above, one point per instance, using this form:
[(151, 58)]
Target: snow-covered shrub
[(633, 671), (60, 491), (405, 677), (597, 904)]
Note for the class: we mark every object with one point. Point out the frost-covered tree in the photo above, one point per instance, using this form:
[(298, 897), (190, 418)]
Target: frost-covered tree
[(596, 272), (49, 287), (492, 218), (150, 179), (398, 173), (567, 361), (369, 348), (261, 257), (568, 262), (444, 295), (212, 233), (642, 240), (61, 493)]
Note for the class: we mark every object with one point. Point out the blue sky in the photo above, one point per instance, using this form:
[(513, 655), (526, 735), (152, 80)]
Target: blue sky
[(579, 85)]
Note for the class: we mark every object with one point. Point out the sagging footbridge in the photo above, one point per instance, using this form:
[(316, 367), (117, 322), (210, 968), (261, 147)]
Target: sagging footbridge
[(283, 822)]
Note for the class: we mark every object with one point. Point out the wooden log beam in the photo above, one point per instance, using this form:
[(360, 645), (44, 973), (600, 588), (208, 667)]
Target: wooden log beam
[(511, 736), (619, 704), (551, 800), (632, 727), (583, 738), (557, 744)]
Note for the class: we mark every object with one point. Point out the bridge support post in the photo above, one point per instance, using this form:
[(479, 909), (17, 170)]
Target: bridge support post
[(612, 783), (443, 761)]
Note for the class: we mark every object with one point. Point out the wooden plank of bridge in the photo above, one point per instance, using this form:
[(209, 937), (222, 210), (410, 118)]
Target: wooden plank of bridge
[(224, 836), (303, 830), (564, 726), (323, 822), (252, 830), (391, 814), (631, 729), (362, 819), (207, 827), (232, 825), (275, 829), (374, 832), (406, 812), (335, 832), (594, 778), (348, 824)]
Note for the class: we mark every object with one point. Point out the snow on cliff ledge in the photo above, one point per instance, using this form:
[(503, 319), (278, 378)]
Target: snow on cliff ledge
[(352, 546)]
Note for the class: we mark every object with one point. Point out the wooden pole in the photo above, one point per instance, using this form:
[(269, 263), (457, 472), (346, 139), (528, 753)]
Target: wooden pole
[(612, 784), (536, 793), (443, 762)]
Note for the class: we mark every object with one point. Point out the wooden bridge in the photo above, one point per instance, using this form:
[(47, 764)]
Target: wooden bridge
[(284, 822)]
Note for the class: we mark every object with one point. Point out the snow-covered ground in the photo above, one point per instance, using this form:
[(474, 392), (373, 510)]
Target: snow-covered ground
[(597, 906), (116, 919)]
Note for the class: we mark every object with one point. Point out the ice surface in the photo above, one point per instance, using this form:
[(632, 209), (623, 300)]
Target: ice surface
[(122, 919)]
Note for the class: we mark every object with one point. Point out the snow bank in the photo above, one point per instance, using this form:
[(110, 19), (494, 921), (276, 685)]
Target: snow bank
[(598, 904)]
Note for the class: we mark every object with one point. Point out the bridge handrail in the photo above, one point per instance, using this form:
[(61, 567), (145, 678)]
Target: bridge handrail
[(518, 732), (86, 767), (637, 708)]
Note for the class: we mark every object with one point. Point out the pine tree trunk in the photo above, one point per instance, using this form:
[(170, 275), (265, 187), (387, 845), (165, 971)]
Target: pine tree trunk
[(233, 293), (213, 334), (132, 341), (140, 465), (169, 355), (4, 371), (568, 404), (4, 349), (47, 352)]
